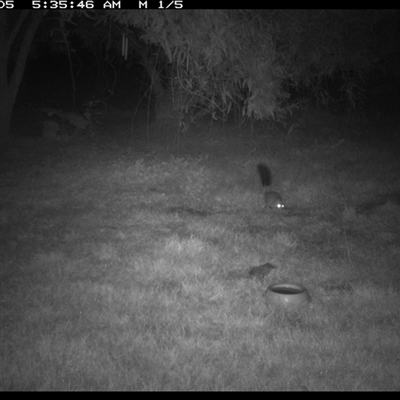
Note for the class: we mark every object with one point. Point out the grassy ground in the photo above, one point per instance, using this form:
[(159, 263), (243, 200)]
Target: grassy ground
[(126, 269)]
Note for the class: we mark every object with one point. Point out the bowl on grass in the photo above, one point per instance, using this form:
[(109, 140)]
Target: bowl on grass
[(287, 294)]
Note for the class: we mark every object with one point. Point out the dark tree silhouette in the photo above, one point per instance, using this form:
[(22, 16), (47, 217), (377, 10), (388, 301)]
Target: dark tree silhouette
[(17, 30)]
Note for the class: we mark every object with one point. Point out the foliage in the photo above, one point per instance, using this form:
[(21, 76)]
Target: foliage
[(254, 60)]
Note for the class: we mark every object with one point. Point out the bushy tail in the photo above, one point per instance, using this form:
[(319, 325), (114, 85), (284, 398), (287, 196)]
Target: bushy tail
[(265, 174)]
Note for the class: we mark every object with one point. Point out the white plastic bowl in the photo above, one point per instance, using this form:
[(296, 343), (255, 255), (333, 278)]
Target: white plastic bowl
[(287, 294)]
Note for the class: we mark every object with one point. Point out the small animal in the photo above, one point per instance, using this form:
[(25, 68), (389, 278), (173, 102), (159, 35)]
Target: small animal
[(272, 199), (261, 271)]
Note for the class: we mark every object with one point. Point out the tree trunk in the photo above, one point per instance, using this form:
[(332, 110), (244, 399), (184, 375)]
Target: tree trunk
[(5, 117), (11, 72)]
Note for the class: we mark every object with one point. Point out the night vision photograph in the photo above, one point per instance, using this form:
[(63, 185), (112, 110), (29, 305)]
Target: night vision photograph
[(199, 199)]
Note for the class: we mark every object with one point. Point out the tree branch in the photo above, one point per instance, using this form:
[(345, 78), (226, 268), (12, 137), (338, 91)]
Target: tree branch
[(15, 29), (23, 52)]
